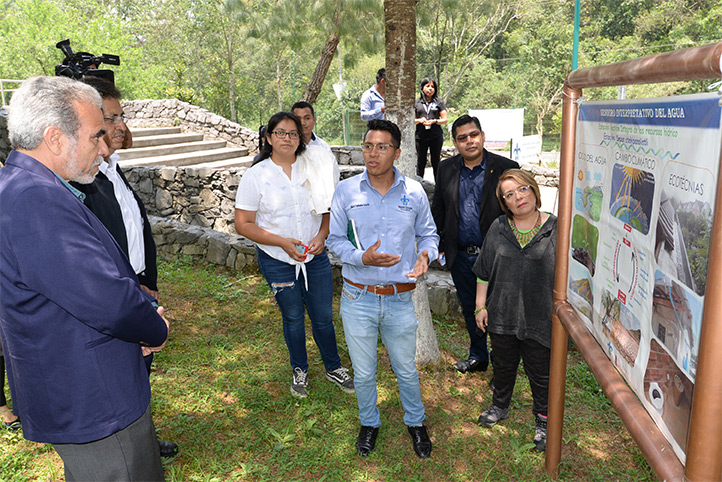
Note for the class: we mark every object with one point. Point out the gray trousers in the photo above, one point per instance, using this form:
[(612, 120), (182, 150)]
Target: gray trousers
[(131, 454)]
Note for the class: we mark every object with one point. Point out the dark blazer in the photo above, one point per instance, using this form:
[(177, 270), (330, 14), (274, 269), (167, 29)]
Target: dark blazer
[(445, 204), (72, 314), (100, 199)]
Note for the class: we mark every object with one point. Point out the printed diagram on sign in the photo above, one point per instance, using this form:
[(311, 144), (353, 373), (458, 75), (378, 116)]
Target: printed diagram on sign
[(676, 320), (588, 193), (621, 327), (632, 194), (585, 237), (625, 268), (669, 391), (581, 290), (589, 201), (684, 225)]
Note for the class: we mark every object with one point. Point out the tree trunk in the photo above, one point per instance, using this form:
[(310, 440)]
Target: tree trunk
[(400, 20), (319, 75), (231, 77), (278, 81)]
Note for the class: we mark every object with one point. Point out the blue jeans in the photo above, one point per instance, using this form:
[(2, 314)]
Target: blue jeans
[(291, 296), (465, 283), (364, 316)]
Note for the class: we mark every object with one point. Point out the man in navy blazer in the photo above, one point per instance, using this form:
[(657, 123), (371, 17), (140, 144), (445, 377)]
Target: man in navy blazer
[(74, 321), (464, 206)]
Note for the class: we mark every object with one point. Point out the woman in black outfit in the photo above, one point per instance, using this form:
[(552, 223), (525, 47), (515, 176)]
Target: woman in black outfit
[(430, 116)]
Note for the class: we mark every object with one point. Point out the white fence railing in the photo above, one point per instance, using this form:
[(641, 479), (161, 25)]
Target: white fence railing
[(7, 87)]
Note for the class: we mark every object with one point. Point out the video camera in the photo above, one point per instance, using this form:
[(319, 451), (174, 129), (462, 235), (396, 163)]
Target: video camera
[(76, 65)]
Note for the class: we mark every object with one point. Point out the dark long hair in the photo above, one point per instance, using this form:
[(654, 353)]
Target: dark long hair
[(276, 119), (435, 97)]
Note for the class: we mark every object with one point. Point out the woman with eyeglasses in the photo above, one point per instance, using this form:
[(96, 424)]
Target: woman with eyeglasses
[(515, 279), (283, 205), (430, 116)]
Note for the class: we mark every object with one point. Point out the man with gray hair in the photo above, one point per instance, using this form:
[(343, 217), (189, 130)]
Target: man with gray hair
[(74, 352)]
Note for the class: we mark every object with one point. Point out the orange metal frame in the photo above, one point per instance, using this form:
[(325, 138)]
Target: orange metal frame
[(704, 447)]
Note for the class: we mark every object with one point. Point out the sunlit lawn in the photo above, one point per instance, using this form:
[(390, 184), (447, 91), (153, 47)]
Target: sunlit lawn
[(221, 391)]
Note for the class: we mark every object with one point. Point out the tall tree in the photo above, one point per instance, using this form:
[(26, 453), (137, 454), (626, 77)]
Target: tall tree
[(457, 34), (542, 51), (400, 21), (356, 19), (302, 25)]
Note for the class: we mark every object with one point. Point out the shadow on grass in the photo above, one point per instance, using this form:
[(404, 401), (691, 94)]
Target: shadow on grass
[(221, 390)]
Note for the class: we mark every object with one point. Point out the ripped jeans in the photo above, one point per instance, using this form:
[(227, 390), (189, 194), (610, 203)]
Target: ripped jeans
[(293, 299)]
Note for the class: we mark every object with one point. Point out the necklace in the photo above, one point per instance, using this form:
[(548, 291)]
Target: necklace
[(525, 236)]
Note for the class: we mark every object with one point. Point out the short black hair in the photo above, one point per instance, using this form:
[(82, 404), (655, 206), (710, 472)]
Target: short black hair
[(105, 88), (384, 125), (462, 121), (302, 104), (381, 74)]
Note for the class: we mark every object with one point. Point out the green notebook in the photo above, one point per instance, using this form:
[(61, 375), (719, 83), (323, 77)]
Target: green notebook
[(352, 234)]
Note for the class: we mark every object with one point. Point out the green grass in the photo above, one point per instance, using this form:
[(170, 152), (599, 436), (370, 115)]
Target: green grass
[(221, 391)]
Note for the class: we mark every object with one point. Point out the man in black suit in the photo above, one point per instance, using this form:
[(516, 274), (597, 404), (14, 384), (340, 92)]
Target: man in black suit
[(114, 202), (464, 206), (119, 208)]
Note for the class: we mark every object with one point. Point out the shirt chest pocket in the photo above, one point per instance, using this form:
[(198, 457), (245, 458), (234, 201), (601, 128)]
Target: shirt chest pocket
[(403, 221)]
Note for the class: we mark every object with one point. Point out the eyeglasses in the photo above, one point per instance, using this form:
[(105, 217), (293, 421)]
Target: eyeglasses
[(521, 191), (117, 118), (470, 135), (381, 147), (283, 134)]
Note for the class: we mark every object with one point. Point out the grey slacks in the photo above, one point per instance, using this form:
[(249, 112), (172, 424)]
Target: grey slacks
[(129, 455)]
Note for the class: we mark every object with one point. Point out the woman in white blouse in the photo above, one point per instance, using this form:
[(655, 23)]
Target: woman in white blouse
[(283, 205)]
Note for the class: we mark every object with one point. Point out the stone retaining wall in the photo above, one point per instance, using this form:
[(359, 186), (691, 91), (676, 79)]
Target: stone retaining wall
[(174, 239), (175, 113), (206, 197), (197, 196)]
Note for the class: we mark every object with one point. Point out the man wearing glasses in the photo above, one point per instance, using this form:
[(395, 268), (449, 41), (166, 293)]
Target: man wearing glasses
[(464, 206), (119, 208), (383, 232)]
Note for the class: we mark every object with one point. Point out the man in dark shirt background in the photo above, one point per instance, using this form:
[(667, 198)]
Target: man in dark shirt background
[(464, 206)]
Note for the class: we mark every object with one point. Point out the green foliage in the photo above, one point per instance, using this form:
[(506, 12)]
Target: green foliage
[(697, 231), (246, 59)]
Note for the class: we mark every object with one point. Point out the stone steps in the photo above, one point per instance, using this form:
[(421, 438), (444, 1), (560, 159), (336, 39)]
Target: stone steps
[(168, 146), (166, 149), (165, 140), (187, 159), (154, 131)]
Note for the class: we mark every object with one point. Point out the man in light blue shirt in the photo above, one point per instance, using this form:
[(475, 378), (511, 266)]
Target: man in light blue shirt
[(383, 232), (373, 103)]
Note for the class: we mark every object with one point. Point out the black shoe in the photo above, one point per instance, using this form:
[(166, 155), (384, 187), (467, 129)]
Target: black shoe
[(366, 440), (14, 425), (422, 443), (540, 433), (167, 449), (471, 365)]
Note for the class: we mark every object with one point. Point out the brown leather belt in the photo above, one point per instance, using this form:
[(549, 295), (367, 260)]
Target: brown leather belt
[(384, 289)]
